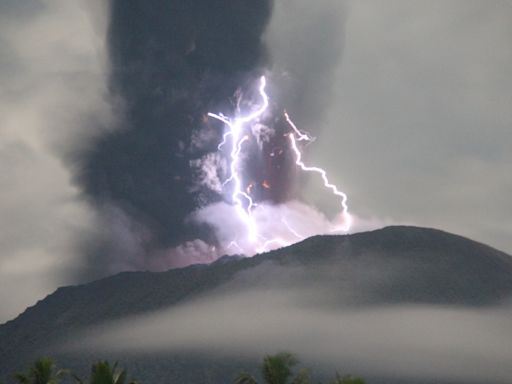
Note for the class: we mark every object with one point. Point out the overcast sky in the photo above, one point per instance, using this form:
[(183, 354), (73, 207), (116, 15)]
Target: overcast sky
[(51, 88), (412, 99), (418, 119)]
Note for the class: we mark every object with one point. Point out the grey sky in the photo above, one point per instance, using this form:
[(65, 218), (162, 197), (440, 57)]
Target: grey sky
[(412, 99), (51, 83), (418, 123)]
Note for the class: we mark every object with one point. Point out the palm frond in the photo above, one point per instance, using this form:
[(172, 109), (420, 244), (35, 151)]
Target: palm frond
[(348, 380), (302, 377), (76, 378), (119, 377), (21, 378), (245, 378), (277, 369)]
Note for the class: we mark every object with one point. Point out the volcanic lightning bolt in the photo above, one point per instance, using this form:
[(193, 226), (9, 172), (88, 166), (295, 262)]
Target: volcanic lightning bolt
[(238, 133), (347, 219)]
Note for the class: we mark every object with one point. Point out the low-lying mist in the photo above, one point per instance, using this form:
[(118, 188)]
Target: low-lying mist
[(318, 320)]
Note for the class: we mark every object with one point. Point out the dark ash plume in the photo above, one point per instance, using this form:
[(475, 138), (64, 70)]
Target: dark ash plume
[(172, 61)]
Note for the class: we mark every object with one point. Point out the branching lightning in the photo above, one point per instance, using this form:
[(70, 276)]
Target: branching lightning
[(236, 128), (347, 220), (238, 132)]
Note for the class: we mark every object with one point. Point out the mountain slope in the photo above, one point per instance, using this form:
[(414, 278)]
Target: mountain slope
[(392, 266)]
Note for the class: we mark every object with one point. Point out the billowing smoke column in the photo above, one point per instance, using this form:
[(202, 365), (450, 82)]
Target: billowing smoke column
[(161, 171), (171, 61)]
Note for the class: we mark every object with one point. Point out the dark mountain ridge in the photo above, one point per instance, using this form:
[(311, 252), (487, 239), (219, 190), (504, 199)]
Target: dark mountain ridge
[(389, 266)]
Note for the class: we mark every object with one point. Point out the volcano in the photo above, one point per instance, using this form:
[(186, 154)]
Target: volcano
[(394, 267)]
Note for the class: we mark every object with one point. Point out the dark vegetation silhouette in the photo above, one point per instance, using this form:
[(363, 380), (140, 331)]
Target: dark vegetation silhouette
[(103, 373), (347, 380), (275, 369), (43, 371), (279, 369)]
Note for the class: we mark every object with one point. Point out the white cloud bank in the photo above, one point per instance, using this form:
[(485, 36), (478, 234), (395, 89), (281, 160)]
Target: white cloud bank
[(396, 341)]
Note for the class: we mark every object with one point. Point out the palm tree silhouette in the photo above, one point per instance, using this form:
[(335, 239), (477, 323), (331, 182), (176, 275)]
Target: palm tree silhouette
[(103, 373), (347, 380), (276, 369), (42, 372)]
